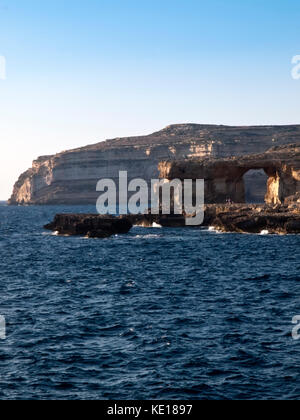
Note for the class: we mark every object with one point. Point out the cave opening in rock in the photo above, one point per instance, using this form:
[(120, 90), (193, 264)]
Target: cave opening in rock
[(255, 181)]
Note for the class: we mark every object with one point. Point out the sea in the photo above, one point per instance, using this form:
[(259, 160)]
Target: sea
[(159, 313)]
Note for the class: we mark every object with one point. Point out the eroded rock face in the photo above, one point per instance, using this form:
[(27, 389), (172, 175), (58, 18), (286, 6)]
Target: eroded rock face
[(71, 177), (224, 177)]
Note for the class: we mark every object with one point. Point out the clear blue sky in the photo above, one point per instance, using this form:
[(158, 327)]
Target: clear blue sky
[(79, 72)]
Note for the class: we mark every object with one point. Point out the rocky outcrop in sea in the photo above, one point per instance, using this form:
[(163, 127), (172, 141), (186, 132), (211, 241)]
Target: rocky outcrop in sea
[(89, 225), (238, 218)]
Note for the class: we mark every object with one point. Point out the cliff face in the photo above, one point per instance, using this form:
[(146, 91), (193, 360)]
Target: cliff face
[(71, 177), (224, 177)]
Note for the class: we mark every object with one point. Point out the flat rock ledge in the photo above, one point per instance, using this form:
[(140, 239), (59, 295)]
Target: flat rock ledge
[(236, 218)]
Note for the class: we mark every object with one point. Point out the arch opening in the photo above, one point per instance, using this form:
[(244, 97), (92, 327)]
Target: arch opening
[(256, 186)]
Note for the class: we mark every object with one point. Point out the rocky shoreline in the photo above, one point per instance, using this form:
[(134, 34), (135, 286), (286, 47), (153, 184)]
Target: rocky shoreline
[(238, 218)]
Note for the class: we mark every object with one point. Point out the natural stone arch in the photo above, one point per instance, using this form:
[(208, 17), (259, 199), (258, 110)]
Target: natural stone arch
[(224, 177)]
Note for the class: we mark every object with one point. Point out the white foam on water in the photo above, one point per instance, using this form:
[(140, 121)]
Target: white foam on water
[(147, 236), (56, 233), (214, 230), (217, 231), (264, 232), (156, 225)]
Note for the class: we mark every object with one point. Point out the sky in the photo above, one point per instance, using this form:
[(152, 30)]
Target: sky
[(81, 71)]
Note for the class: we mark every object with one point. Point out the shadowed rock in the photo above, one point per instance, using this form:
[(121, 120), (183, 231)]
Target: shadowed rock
[(92, 226)]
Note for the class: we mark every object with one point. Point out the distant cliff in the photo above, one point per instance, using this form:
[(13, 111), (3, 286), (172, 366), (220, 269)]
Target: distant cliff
[(70, 177)]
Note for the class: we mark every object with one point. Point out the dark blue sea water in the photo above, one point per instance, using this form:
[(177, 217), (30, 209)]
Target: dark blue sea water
[(155, 314)]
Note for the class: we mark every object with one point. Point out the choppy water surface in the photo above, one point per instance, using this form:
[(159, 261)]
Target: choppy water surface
[(155, 314)]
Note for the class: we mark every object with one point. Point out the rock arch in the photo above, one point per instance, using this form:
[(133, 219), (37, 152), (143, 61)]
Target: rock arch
[(224, 178)]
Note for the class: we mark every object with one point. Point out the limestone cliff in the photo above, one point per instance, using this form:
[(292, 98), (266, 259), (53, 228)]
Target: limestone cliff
[(70, 177)]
